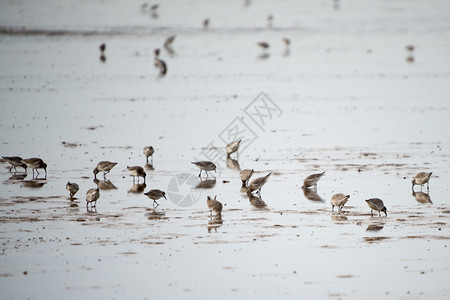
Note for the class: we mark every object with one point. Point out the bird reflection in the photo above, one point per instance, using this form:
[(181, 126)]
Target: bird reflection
[(312, 195), (137, 188), (149, 167), (338, 217), (263, 56), (206, 183), (17, 176), (105, 184), (34, 183), (214, 222), (422, 198), (256, 201), (375, 227), (233, 164), (154, 214)]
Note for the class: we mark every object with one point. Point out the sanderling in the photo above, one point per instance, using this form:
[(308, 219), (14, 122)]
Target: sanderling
[(270, 21), (205, 23), (105, 167), (312, 180), (245, 176), (155, 195), (148, 151), (102, 47), (286, 41), (421, 178), (376, 204), (35, 164), (263, 45), (137, 171), (205, 166), (73, 188), (257, 184), (159, 63), (339, 200), (233, 147), (169, 41), (214, 205), (410, 48), (15, 161), (92, 196)]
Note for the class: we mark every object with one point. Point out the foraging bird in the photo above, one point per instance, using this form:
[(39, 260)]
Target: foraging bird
[(148, 151), (73, 188), (339, 200), (156, 52), (102, 47), (421, 178), (205, 23), (410, 48), (105, 167), (35, 164), (264, 45), (159, 63), (376, 204), (312, 180), (92, 196), (233, 147), (205, 166), (257, 184), (169, 41), (270, 20), (137, 171), (286, 41), (15, 161), (214, 206), (245, 176), (154, 6), (155, 195)]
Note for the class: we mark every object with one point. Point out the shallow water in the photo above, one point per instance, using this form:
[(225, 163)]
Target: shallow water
[(343, 100)]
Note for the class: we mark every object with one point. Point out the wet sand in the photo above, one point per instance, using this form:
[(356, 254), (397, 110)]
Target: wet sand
[(345, 101)]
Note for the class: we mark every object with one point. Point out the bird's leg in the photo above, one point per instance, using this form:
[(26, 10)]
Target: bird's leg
[(45, 173), (332, 207), (200, 174), (371, 212), (206, 174)]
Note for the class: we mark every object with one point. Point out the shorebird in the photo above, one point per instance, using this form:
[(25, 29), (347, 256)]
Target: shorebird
[(137, 171), (156, 52), (148, 151), (410, 48), (205, 166), (245, 176), (286, 41), (233, 147), (339, 200), (169, 41), (102, 47), (376, 204), (159, 63), (214, 206), (270, 20), (73, 188), (155, 195), (205, 23), (263, 45), (257, 184), (312, 180), (105, 167), (15, 161), (35, 164), (422, 178), (92, 196)]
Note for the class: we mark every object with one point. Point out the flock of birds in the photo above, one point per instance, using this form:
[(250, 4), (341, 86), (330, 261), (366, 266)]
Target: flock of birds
[(255, 186)]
